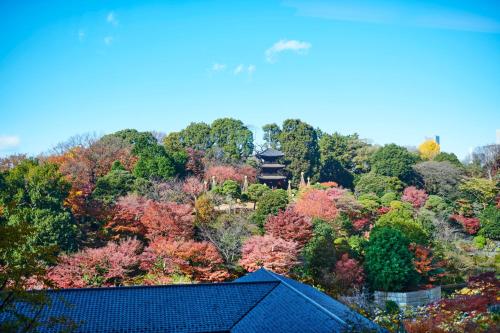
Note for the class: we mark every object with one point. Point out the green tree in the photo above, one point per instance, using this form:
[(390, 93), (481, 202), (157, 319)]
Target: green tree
[(479, 190), (256, 191), (440, 178), (197, 136), (449, 157), (388, 261), (271, 202), (272, 135), (231, 188), (34, 193), (490, 223), (401, 218), (319, 253), (118, 182), (299, 143), (232, 140), (394, 161), (377, 184)]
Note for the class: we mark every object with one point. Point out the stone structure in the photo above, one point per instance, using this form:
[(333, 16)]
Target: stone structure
[(409, 298)]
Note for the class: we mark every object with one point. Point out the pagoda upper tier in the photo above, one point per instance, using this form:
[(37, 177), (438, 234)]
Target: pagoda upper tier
[(271, 171)]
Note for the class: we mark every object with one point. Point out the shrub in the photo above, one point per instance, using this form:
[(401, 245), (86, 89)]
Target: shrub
[(402, 220), (490, 223), (470, 224), (271, 202), (414, 196), (349, 273), (231, 188), (388, 261), (437, 205), (387, 198), (480, 242)]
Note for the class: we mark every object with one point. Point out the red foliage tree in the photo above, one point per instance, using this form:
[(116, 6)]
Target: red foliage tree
[(317, 203), (349, 273), (199, 261), (414, 196), (426, 265), (194, 163), (290, 225), (229, 172), (273, 253), (470, 224), (361, 224), (193, 186), (106, 266), (127, 214), (168, 220)]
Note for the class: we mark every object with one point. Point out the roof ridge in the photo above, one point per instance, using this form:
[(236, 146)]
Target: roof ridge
[(277, 283), (301, 294), (156, 286)]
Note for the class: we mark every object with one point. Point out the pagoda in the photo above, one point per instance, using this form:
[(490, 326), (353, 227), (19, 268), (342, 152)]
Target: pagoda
[(271, 171)]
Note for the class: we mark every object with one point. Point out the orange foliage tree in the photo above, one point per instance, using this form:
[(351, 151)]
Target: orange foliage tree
[(317, 204)]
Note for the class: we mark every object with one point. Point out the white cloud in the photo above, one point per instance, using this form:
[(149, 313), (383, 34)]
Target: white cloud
[(251, 69), (81, 35), (286, 45), (239, 69), (108, 40), (216, 67), (9, 142), (111, 18)]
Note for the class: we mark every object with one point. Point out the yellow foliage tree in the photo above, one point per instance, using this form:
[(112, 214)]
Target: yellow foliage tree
[(429, 149)]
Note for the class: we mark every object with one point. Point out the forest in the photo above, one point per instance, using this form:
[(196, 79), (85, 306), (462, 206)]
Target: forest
[(145, 208)]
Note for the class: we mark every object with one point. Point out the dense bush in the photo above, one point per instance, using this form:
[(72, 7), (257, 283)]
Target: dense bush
[(271, 202), (388, 261), (402, 220), (490, 223), (377, 184)]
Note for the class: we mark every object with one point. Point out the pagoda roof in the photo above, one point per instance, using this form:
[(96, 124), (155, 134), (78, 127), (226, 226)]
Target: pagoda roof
[(270, 152), (272, 165), (272, 177)]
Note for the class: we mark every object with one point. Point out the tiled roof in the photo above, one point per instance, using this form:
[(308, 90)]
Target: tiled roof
[(271, 152), (258, 302), (341, 317)]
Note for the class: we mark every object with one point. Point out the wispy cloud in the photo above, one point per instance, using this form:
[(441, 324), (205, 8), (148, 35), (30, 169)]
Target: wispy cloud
[(216, 67), (417, 14), (284, 45), (81, 35), (250, 69), (8, 142), (108, 40), (112, 19), (239, 69)]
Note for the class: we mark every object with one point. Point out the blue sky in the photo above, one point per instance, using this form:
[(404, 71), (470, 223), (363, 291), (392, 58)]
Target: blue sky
[(392, 71)]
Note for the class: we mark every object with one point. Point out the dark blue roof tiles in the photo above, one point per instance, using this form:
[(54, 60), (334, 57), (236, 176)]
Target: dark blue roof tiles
[(260, 275), (180, 308), (283, 310), (258, 302)]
